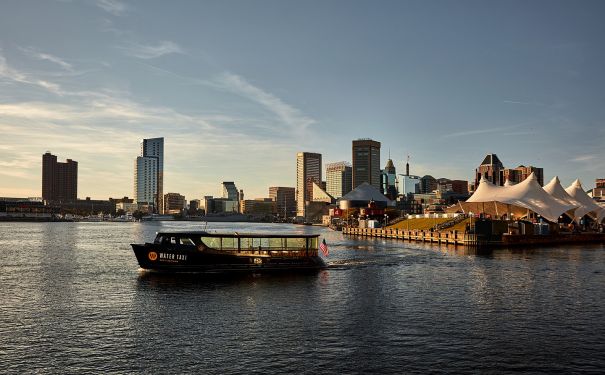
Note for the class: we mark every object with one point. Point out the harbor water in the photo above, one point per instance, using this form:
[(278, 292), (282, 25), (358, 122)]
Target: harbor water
[(73, 300)]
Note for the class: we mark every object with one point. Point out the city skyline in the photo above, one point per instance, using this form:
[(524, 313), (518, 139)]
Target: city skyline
[(229, 84)]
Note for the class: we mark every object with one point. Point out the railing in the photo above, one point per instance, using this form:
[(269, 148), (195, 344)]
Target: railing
[(452, 237), (450, 223), (269, 252), (470, 239)]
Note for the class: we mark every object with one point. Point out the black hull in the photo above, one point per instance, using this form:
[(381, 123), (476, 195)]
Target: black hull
[(159, 258)]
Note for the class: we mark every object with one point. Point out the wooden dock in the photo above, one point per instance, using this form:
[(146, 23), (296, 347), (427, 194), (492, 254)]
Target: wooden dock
[(453, 237), (474, 240)]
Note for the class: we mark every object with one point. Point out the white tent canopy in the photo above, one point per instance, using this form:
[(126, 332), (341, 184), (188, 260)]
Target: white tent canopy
[(527, 194), (602, 214), (555, 189), (589, 206), (508, 183)]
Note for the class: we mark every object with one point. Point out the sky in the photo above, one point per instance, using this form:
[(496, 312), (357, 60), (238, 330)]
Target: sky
[(237, 88)]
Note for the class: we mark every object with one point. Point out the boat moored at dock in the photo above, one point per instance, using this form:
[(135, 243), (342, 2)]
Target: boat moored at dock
[(202, 251)]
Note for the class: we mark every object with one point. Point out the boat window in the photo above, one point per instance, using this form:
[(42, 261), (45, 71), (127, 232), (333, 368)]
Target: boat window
[(297, 243), (212, 242), (245, 243), (277, 243), (174, 240), (186, 241), (158, 239), (313, 243), (229, 243)]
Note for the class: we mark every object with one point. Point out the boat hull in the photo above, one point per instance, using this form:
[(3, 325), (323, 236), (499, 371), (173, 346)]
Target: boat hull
[(161, 258)]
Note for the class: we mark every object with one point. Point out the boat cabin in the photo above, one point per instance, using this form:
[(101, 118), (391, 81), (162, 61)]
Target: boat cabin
[(241, 243)]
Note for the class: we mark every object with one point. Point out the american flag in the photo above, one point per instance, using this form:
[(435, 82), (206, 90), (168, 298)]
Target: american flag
[(323, 246)]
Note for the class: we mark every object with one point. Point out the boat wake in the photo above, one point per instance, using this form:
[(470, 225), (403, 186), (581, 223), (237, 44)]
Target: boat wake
[(346, 264)]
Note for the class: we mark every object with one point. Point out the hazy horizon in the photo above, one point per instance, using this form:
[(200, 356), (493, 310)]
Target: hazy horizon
[(237, 88)]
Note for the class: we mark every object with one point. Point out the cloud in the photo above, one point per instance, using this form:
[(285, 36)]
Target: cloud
[(10, 74), (503, 130), (143, 51), (68, 120), (290, 116), (114, 7), (48, 57), (583, 158), (523, 103)]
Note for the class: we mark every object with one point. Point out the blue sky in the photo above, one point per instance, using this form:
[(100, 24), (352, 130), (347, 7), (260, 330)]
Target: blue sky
[(238, 87)]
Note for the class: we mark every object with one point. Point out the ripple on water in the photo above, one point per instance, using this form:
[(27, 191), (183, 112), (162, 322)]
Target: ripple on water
[(75, 301)]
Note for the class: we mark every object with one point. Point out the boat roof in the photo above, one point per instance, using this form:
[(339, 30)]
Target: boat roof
[(237, 234)]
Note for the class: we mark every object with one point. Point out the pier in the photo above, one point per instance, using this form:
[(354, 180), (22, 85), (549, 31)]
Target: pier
[(476, 240)]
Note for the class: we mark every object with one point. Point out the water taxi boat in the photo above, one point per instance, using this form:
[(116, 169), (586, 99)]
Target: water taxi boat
[(220, 252)]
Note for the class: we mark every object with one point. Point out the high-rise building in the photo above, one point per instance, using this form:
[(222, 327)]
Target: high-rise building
[(389, 179), (339, 178), (490, 169), (366, 162), (285, 200), (230, 191), (149, 174), (599, 191), (427, 184), (407, 184), (519, 174), (59, 180), (493, 170), (146, 181), (308, 171)]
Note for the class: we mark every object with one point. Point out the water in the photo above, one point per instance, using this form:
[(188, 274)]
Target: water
[(72, 300)]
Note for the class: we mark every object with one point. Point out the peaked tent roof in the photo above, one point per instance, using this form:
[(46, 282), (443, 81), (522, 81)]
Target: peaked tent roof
[(601, 216), (527, 194), (365, 192), (555, 189), (588, 204)]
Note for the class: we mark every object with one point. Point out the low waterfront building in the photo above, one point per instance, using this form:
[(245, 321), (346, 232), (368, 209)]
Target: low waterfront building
[(194, 207), (362, 195), (285, 200), (260, 207), (220, 206), (25, 208), (127, 207), (174, 203), (85, 207)]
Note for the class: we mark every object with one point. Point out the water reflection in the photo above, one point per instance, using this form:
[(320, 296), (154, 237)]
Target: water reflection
[(147, 280), (73, 297)]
